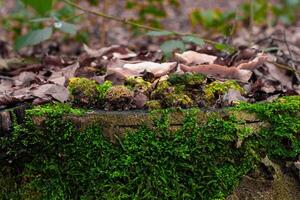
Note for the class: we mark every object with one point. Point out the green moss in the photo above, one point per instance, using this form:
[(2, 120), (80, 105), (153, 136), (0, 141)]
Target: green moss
[(54, 109), (153, 105), (162, 88), (103, 88), (187, 80), (217, 88), (138, 84), (177, 100), (281, 139), (171, 96), (199, 160), (83, 92), (118, 97)]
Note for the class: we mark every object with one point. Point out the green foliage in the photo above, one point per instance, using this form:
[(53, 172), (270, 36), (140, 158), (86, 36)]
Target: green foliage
[(103, 88), (33, 37), (197, 161), (159, 33), (216, 88), (187, 80), (40, 25), (41, 8), (150, 12), (170, 45), (213, 19), (195, 40)]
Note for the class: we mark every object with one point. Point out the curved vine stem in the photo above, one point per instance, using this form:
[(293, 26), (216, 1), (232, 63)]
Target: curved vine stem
[(132, 23)]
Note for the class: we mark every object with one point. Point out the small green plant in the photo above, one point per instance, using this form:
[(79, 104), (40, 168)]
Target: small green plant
[(213, 90), (42, 22), (150, 12)]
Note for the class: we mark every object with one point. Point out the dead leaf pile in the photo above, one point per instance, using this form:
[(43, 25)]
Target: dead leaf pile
[(261, 74)]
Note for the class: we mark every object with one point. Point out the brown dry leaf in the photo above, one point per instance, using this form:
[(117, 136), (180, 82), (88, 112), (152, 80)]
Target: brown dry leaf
[(195, 58), (22, 94), (5, 85), (6, 100), (118, 75), (69, 71), (280, 75), (158, 69), (114, 51), (58, 92), (233, 96), (140, 100), (219, 72), (253, 64), (99, 52), (25, 78), (59, 80)]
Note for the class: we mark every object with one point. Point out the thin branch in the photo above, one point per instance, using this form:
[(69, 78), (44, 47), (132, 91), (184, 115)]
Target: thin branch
[(132, 23), (291, 57), (286, 67)]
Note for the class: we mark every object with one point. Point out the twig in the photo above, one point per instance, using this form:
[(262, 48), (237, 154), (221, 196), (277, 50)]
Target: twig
[(291, 58), (251, 21), (132, 23), (286, 67)]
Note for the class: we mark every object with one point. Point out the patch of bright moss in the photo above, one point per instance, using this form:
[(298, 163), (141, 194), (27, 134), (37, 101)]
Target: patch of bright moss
[(83, 91), (138, 84), (153, 105), (281, 139), (118, 97), (216, 88), (54, 109), (177, 100), (103, 88), (162, 88), (187, 80)]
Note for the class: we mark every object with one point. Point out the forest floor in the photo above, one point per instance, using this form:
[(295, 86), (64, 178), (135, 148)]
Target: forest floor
[(263, 64)]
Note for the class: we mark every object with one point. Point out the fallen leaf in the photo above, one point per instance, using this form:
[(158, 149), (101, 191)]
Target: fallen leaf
[(69, 71), (192, 57), (140, 100), (253, 64), (158, 69), (232, 97), (219, 72), (58, 92)]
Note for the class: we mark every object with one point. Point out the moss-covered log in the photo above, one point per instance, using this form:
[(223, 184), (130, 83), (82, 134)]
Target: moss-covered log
[(59, 152)]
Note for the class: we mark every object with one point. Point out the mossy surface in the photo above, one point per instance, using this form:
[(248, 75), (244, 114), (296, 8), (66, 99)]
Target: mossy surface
[(83, 92), (213, 90), (118, 97), (200, 160)]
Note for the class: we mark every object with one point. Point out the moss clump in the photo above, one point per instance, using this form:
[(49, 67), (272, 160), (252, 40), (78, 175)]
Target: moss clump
[(103, 88), (161, 89), (138, 84), (187, 80), (54, 109), (281, 139), (171, 96), (118, 97), (177, 100), (153, 105), (83, 92), (213, 90)]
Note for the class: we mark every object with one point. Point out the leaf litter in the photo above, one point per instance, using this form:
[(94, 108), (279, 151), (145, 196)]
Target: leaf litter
[(262, 73)]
